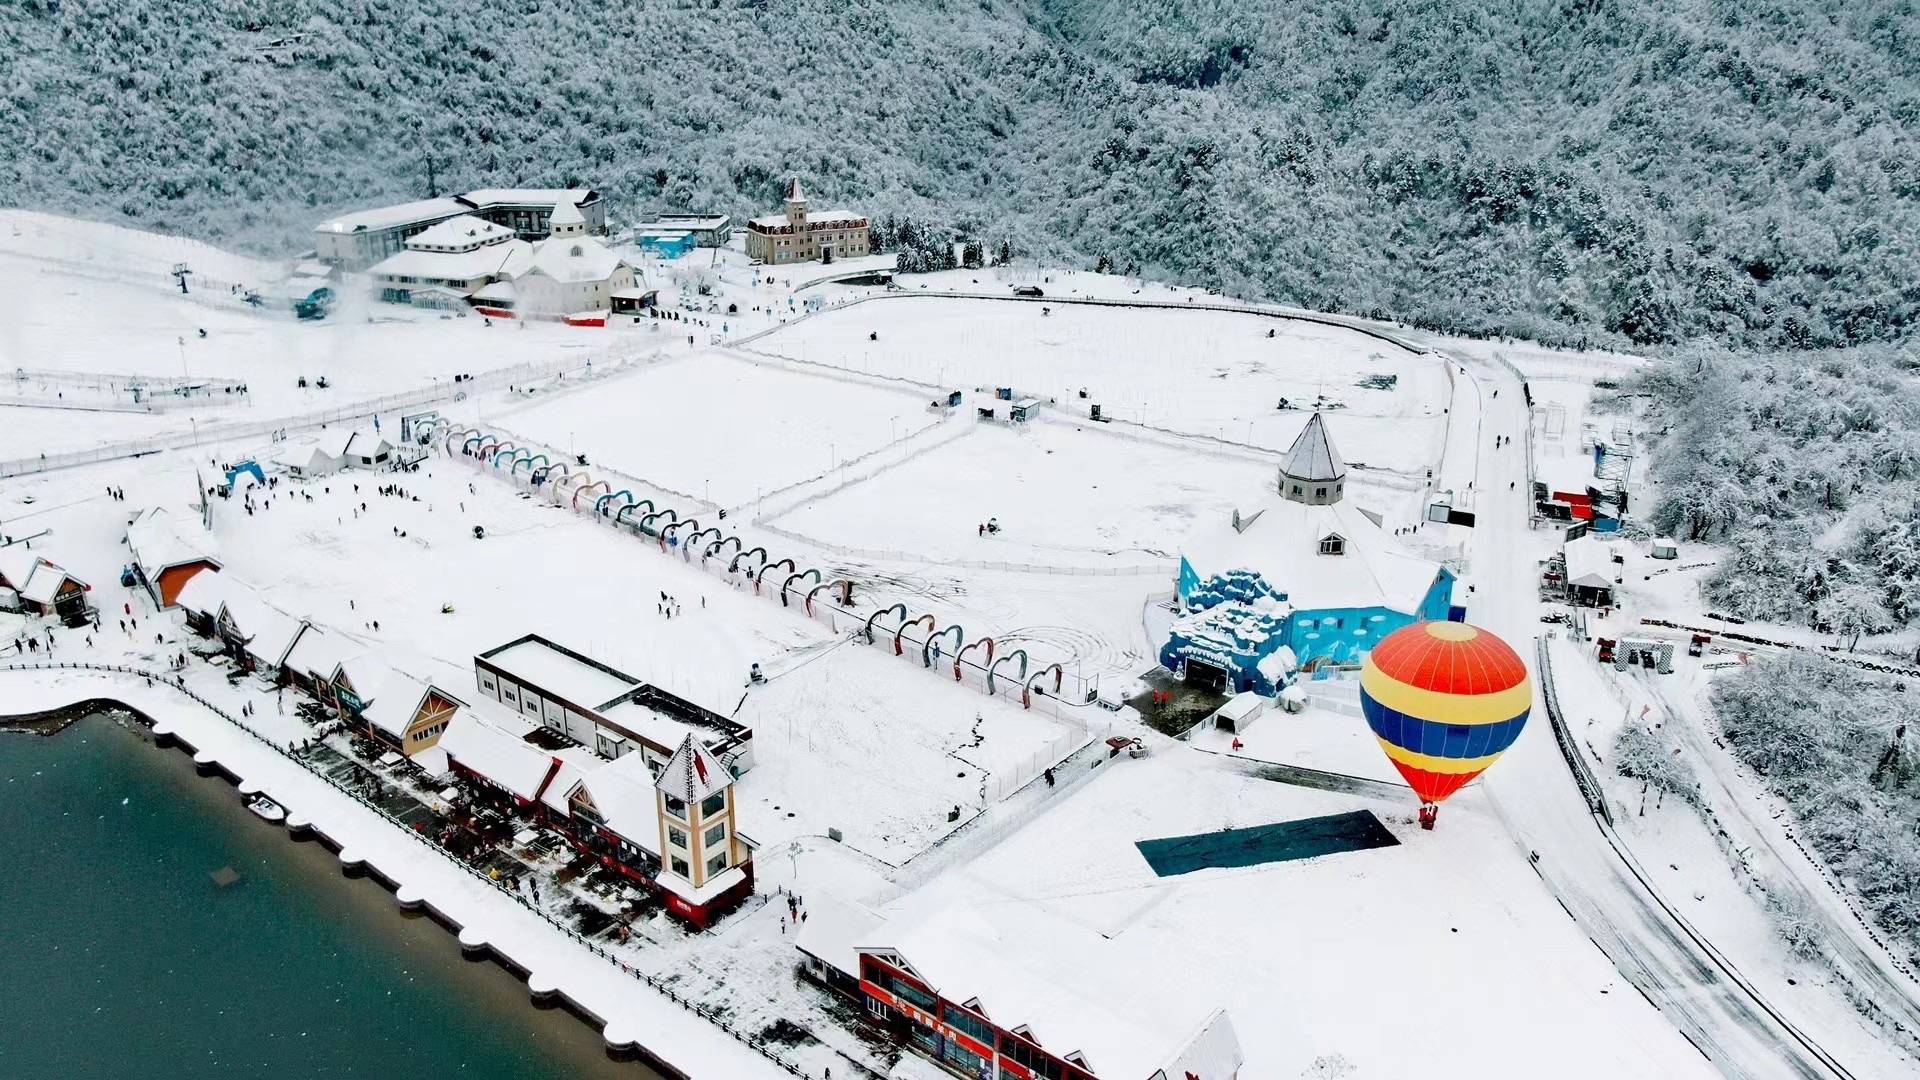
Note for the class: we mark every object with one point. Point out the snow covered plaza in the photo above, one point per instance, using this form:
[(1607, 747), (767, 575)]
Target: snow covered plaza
[(817, 676)]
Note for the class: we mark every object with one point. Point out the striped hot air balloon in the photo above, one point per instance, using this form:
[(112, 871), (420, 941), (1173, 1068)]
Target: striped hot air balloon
[(1445, 699)]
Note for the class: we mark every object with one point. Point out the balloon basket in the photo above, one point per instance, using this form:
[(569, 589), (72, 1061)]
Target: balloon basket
[(1427, 815)]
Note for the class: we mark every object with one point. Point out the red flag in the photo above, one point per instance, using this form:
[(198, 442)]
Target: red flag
[(700, 767)]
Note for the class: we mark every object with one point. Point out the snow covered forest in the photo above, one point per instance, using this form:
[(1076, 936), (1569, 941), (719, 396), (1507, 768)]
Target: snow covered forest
[(1808, 465), (1838, 746), (1572, 171)]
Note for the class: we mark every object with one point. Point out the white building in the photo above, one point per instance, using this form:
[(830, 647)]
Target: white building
[(449, 261), (568, 272), (364, 237)]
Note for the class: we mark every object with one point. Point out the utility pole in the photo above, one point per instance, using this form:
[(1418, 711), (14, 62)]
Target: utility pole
[(433, 181)]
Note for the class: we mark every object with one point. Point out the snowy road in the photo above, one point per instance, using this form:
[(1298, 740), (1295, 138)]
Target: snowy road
[(1535, 794)]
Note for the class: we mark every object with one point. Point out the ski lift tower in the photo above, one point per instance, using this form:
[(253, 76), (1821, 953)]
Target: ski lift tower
[(180, 272)]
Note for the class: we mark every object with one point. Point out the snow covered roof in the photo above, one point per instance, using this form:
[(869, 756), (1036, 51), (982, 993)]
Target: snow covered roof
[(34, 578), (817, 217), (1281, 543), (1077, 992), (565, 212), (318, 652), (686, 221), (393, 702), (387, 217), (693, 773), (158, 542), (269, 632), (462, 233), (499, 290), (205, 592), (1590, 563), (1312, 456), (305, 454), (655, 726), (559, 672), (484, 198), (833, 931), (484, 261), (474, 741), (622, 790), (570, 259), (573, 765)]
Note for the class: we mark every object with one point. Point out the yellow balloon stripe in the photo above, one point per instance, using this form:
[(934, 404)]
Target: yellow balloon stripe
[(1446, 708), (1429, 763)]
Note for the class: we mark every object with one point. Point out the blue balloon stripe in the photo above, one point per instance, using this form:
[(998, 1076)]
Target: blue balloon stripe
[(1438, 739)]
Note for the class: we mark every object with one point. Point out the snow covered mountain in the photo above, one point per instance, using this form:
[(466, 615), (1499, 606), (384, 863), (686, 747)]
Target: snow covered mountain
[(1566, 170)]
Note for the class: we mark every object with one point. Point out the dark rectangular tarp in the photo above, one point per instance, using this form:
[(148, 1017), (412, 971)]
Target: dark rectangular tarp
[(1283, 842)]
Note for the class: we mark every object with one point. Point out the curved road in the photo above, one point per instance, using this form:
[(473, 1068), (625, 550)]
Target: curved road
[(1535, 794)]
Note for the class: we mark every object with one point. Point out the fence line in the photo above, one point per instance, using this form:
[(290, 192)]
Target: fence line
[(217, 432), (714, 1016)]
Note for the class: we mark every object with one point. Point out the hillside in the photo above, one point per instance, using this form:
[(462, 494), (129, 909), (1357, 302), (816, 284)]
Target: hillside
[(1601, 170)]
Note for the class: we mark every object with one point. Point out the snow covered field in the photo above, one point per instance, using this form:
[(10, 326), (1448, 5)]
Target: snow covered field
[(1445, 941), (1207, 373), (1064, 492), (724, 430)]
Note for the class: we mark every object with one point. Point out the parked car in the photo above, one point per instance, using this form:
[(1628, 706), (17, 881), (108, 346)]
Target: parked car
[(1027, 290)]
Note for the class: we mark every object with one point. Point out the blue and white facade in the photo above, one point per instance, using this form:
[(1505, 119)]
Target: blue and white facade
[(1308, 572)]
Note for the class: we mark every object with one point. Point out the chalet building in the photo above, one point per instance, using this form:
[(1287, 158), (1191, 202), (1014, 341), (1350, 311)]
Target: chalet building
[(167, 555), (31, 584), (316, 660), (256, 634), (676, 834), (608, 711), (364, 237), (404, 713), (452, 259), (201, 599), (466, 261), (799, 235), (1016, 992)]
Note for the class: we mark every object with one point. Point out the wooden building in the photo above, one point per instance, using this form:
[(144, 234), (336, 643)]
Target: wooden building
[(166, 555)]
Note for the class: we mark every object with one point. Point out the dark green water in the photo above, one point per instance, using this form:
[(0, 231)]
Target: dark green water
[(119, 956)]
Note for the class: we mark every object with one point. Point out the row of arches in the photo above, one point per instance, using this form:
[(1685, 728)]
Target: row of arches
[(568, 483)]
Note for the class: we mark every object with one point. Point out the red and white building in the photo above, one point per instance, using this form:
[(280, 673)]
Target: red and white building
[(1013, 992)]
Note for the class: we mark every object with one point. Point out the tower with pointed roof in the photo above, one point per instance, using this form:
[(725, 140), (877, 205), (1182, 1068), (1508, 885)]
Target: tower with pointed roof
[(796, 204), (1313, 472), (566, 220), (698, 841)]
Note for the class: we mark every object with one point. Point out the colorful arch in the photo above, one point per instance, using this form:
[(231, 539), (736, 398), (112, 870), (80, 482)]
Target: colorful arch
[(811, 593), (932, 624), (962, 655), (993, 669), (791, 578), (735, 564), (631, 507), (472, 442), (901, 608), (501, 450), (673, 530), (762, 574), (447, 437), (569, 483), (714, 548), (1026, 685), (488, 445), (647, 520), (513, 457), (533, 471), (959, 643), (694, 540), (588, 487), (600, 504)]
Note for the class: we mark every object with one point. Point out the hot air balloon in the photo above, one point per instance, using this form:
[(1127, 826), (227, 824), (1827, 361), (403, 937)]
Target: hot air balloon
[(1445, 699)]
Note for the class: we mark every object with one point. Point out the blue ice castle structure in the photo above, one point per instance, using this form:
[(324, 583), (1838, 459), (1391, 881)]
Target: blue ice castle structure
[(1305, 581)]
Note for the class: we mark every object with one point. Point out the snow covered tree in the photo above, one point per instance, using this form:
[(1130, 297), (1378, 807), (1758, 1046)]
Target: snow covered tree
[(1639, 755)]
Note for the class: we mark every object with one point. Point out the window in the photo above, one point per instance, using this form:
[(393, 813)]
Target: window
[(680, 866), (880, 1009), (1319, 493), (1297, 489), (715, 835), (1024, 1053), (903, 989), (967, 1022), (676, 807), (713, 804), (717, 863), (1332, 544), (676, 837)]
